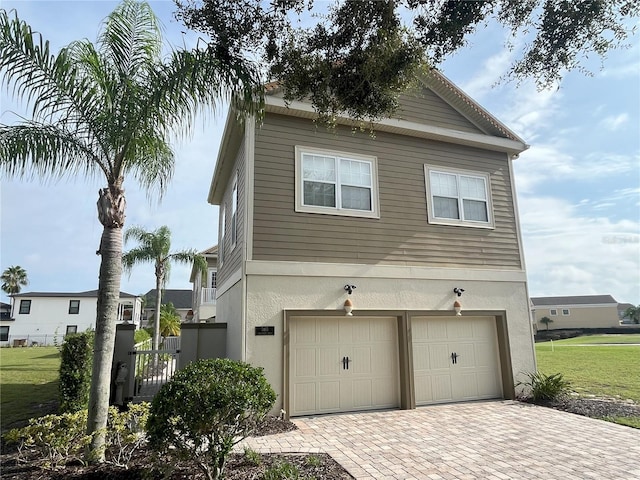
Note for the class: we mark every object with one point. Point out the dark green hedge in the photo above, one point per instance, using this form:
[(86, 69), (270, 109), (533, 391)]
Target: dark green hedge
[(75, 372)]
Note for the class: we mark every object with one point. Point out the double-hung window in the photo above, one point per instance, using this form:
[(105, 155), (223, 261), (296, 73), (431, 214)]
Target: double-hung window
[(74, 307), (457, 197), (336, 183), (222, 234), (234, 213), (25, 307)]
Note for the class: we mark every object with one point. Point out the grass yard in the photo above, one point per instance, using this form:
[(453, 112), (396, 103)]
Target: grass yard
[(595, 368), (28, 383)]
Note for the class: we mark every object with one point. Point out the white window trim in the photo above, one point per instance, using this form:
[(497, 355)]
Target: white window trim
[(234, 212), (552, 310), (452, 221), (299, 189)]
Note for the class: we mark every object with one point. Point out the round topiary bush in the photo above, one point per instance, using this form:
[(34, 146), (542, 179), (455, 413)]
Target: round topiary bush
[(206, 409)]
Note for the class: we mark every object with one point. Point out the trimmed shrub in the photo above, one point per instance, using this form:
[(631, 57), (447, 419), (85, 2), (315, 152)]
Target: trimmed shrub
[(76, 359), (207, 408), (58, 439), (545, 388)]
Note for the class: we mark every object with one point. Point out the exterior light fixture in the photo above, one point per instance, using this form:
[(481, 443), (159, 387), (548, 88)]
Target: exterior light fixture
[(457, 306), (348, 307)]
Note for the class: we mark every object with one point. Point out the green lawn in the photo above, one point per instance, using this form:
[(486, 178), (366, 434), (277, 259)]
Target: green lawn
[(28, 383)]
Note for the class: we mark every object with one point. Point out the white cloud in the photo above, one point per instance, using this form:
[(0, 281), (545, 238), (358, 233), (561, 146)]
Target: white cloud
[(613, 122), (571, 254)]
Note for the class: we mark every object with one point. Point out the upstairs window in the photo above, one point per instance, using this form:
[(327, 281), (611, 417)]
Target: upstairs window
[(458, 198), (74, 307), (234, 213), (25, 307), (336, 183), (222, 234), (553, 312), (565, 311), (213, 279)]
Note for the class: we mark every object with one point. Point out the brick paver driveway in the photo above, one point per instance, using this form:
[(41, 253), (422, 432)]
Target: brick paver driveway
[(483, 440)]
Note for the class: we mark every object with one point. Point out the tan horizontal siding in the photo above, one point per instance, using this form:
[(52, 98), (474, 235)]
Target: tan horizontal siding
[(233, 258), (428, 108), (401, 236)]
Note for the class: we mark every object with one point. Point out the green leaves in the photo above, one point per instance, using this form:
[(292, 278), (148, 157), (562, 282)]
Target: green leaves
[(206, 409)]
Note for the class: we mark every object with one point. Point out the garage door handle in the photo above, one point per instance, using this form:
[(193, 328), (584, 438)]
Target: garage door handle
[(454, 358), (345, 363)]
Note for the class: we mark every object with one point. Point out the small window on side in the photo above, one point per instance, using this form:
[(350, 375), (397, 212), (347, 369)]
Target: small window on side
[(4, 333), (71, 330), (25, 307), (74, 307), (553, 312), (565, 311)]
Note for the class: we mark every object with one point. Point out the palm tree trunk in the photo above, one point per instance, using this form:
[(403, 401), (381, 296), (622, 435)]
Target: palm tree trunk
[(156, 323), (111, 208)]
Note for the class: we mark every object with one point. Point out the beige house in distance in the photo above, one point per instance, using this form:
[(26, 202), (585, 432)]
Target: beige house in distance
[(582, 311), (341, 255)]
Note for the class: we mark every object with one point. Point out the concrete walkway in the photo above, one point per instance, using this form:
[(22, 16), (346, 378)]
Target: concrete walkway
[(483, 440)]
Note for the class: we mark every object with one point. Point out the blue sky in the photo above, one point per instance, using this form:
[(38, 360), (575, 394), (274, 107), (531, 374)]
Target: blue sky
[(578, 185)]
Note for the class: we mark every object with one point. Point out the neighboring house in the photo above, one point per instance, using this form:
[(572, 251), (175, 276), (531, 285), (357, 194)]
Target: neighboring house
[(622, 308), (582, 311), (5, 311), (181, 299), (204, 288), (5, 322), (46, 317), (424, 206)]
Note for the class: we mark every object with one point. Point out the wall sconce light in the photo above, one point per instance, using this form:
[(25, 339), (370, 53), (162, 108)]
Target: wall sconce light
[(348, 307), (350, 288), (458, 291), (457, 306)]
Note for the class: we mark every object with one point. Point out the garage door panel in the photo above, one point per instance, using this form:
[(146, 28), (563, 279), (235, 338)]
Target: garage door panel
[(329, 396), (439, 356), (441, 388), (305, 397), (320, 343), (327, 331), (421, 357), (362, 393), (437, 330), (305, 363), (474, 374), (328, 361)]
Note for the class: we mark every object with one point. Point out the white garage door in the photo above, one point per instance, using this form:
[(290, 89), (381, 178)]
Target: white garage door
[(342, 364), (455, 359)]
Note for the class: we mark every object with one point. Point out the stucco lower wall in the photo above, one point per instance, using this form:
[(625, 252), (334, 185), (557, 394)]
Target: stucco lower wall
[(268, 296), (229, 311)]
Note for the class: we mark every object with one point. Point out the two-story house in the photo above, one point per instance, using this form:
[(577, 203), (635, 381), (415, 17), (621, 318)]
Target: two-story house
[(341, 254), (204, 287), (578, 311), (46, 317)]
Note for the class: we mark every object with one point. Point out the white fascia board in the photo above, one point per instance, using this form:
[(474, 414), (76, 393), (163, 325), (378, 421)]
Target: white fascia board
[(488, 142)]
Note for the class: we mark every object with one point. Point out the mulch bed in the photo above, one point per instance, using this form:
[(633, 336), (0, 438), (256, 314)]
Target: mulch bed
[(319, 466)]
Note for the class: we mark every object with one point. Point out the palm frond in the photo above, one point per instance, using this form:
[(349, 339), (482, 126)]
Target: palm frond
[(131, 38), (50, 83), (137, 256), (46, 151)]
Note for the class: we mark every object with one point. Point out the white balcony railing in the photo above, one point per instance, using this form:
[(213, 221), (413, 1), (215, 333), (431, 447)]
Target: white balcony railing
[(207, 296)]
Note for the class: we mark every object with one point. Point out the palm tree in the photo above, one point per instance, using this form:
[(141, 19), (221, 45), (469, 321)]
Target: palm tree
[(169, 320), (13, 279), (108, 110), (156, 247), (546, 321)]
